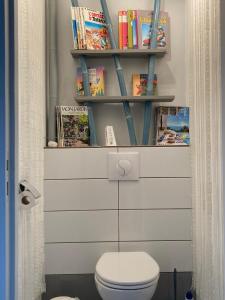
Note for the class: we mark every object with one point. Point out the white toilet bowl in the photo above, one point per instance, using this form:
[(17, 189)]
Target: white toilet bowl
[(126, 276)]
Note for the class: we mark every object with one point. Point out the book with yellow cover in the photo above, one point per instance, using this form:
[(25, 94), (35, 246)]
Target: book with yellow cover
[(145, 20), (96, 81), (140, 84)]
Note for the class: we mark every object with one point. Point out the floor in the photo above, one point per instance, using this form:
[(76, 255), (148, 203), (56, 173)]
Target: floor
[(83, 286)]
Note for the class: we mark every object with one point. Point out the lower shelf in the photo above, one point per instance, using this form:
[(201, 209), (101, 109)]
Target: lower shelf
[(120, 99)]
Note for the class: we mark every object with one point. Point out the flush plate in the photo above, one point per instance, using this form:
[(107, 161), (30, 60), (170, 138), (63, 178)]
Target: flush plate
[(123, 166)]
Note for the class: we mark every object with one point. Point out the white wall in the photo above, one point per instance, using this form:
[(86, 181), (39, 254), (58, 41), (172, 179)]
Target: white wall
[(171, 69)]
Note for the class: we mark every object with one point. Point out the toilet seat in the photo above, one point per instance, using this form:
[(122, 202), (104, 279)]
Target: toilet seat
[(126, 287), (127, 270)]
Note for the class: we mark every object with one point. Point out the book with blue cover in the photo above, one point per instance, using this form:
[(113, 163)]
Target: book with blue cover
[(173, 125)]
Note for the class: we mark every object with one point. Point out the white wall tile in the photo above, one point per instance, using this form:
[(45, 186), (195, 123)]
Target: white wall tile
[(82, 226), (76, 163), (163, 161), (84, 194), (169, 255), (75, 258), (147, 225), (156, 193)]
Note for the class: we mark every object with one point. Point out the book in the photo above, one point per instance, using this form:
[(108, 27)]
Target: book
[(95, 30), (72, 126), (135, 30), (78, 26), (172, 125), (96, 81), (130, 28), (145, 19), (120, 30), (140, 84), (124, 29), (74, 28)]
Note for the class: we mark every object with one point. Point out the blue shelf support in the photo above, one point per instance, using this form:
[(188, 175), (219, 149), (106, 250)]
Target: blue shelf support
[(151, 72), (120, 75), (87, 92)]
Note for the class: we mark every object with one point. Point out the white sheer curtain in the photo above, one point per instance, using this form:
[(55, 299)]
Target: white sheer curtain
[(205, 101), (30, 27)]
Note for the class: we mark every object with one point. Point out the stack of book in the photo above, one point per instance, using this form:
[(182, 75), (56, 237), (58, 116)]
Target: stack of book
[(89, 29), (135, 29)]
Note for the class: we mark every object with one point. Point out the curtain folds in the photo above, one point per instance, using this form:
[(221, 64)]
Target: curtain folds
[(204, 85), (30, 29)]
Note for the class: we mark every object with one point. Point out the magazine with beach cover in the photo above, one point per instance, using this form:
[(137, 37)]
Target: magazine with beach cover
[(172, 125), (140, 84), (95, 30), (96, 81), (72, 126), (145, 19)]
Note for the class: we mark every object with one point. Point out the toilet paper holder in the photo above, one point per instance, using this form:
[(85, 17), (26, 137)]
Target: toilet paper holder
[(27, 191)]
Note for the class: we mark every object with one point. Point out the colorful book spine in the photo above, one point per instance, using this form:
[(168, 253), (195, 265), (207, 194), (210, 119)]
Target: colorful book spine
[(125, 29), (77, 17), (74, 29), (135, 30), (130, 28), (83, 36), (120, 30)]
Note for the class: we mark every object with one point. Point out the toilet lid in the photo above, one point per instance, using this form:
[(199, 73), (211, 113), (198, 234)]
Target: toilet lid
[(127, 268)]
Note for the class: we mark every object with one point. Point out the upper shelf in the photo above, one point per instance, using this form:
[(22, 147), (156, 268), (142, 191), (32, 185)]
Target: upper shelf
[(119, 99), (120, 52)]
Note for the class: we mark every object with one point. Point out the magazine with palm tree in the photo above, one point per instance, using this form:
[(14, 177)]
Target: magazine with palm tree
[(172, 125), (72, 126)]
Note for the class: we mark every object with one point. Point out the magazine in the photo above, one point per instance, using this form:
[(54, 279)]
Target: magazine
[(95, 30), (140, 84), (145, 19), (172, 126), (72, 126), (96, 81)]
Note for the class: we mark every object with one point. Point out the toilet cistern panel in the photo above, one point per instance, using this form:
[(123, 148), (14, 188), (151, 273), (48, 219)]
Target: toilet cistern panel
[(123, 166)]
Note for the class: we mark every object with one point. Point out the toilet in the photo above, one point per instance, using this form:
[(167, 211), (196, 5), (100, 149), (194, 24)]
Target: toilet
[(126, 276)]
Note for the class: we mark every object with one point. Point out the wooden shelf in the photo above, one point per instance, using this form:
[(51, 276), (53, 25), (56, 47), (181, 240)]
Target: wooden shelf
[(120, 52), (119, 99)]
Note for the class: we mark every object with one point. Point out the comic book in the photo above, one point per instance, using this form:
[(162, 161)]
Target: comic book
[(172, 126), (95, 29), (140, 84), (96, 81), (72, 126), (145, 19)]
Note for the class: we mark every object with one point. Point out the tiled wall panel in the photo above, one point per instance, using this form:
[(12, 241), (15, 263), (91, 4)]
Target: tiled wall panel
[(155, 193), (75, 194), (87, 215), (75, 258), (81, 226)]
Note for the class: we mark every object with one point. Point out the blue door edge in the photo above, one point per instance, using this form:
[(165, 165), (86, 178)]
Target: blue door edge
[(12, 152), (3, 265), (8, 151)]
